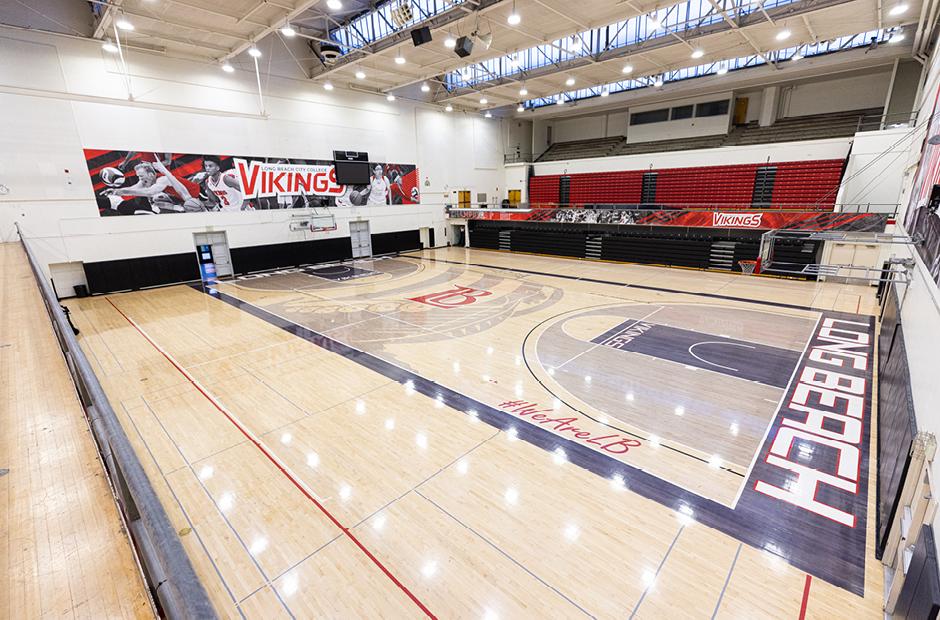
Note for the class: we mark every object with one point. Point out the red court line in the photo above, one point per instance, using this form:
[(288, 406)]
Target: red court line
[(248, 435), (806, 584)]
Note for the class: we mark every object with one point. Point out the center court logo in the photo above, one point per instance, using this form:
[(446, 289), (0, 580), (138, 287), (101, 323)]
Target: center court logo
[(738, 220), (459, 296)]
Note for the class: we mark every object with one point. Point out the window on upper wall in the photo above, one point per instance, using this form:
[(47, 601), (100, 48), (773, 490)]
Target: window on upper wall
[(681, 112), (712, 108), (650, 116)]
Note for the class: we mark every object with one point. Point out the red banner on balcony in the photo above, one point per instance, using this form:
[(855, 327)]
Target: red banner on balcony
[(759, 220)]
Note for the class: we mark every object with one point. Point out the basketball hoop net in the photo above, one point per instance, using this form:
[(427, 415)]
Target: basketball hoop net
[(748, 267)]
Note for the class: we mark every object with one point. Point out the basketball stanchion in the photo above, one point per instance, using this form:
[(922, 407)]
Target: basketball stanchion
[(748, 267)]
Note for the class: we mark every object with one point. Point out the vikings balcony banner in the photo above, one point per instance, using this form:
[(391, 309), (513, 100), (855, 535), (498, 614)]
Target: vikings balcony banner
[(143, 183)]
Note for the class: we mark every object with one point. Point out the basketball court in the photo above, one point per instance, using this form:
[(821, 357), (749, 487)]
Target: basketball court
[(470, 309), (412, 424)]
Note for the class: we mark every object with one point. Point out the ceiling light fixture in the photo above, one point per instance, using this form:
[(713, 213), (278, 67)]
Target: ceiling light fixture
[(109, 47), (450, 42), (254, 52), (449, 108), (514, 18), (227, 67), (898, 9), (523, 91), (484, 101), (425, 88), (697, 53), (360, 75), (897, 37), (488, 114), (399, 60), (520, 109), (605, 93), (334, 5), (390, 97), (784, 34), (569, 82), (627, 69), (288, 31), (123, 24), (658, 83), (328, 85), (722, 69), (796, 56), (561, 101), (654, 22)]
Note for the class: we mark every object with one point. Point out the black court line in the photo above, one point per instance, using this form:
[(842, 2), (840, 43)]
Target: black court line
[(761, 524), (644, 287)]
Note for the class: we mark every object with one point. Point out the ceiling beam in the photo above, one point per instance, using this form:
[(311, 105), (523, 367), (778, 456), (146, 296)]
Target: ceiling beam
[(782, 12), (260, 34), (441, 20)]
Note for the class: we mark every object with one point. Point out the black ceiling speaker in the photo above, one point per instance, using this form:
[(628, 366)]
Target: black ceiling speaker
[(464, 47), (420, 36)]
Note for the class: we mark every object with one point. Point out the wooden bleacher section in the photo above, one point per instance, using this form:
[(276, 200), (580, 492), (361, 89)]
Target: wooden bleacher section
[(63, 549)]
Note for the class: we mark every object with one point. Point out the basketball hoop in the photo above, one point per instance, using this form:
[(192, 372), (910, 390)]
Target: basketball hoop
[(747, 266), (322, 223)]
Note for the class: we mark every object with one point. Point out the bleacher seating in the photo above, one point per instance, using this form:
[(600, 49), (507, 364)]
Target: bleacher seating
[(815, 127), (793, 129), (662, 146), (581, 149), (788, 184)]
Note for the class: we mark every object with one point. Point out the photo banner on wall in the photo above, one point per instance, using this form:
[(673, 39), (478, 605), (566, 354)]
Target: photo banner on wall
[(145, 183)]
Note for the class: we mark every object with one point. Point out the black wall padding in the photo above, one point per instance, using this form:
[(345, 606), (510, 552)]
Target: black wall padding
[(744, 250), (683, 252), (920, 596), (896, 423), (660, 245), (387, 243), (549, 242), (283, 255), (135, 273), (484, 237)]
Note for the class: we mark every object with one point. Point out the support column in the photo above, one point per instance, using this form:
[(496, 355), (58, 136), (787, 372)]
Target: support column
[(770, 100)]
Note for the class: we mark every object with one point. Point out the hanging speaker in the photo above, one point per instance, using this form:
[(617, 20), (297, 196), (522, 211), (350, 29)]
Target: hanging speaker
[(420, 36), (464, 47)]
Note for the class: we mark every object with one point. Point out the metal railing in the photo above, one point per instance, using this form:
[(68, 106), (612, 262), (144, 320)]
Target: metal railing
[(862, 207), (517, 158), (876, 122), (167, 568)]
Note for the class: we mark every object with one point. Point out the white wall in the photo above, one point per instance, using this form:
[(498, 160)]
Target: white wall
[(59, 95), (848, 93), (684, 128), (582, 128), (874, 174), (836, 148), (920, 312), (517, 178)]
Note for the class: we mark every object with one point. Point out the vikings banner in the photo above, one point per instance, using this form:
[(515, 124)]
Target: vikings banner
[(763, 220), (142, 183)]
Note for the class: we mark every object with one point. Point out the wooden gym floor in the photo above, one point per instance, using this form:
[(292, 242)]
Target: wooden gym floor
[(63, 549), (463, 433)]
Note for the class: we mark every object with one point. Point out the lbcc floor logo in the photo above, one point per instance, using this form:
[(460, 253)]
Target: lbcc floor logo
[(459, 296)]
